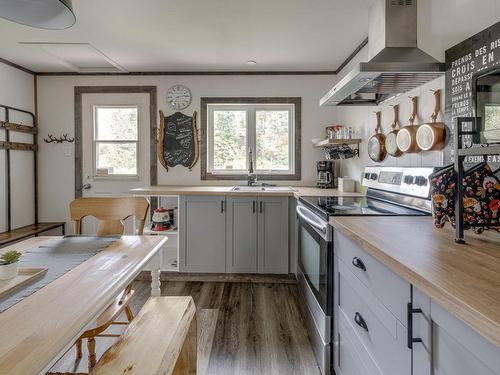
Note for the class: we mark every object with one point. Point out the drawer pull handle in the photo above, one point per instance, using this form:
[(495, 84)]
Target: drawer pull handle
[(356, 262), (410, 311), (360, 321)]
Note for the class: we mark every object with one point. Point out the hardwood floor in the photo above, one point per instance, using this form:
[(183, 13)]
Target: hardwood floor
[(243, 328)]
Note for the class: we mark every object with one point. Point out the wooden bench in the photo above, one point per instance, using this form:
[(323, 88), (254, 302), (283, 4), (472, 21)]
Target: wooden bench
[(162, 339), (15, 235)]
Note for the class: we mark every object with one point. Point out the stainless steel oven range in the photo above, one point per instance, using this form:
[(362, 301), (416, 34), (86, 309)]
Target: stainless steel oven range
[(392, 191)]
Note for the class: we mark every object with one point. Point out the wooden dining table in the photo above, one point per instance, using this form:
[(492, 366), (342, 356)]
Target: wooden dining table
[(37, 331)]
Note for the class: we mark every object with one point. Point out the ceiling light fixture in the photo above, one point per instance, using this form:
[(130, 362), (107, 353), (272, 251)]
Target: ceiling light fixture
[(42, 14), (251, 62)]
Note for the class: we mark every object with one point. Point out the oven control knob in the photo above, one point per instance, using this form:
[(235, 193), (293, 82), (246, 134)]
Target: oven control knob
[(409, 179), (367, 175), (373, 176), (420, 181)]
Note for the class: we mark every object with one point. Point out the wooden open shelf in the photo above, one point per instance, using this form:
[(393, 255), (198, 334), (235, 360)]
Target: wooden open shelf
[(338, 142)]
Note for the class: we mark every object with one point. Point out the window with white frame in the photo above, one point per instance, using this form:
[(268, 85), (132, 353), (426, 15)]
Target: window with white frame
[(116, 141), (266, 129)]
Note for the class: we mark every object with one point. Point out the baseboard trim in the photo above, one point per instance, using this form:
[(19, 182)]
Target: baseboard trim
[(221, 277)]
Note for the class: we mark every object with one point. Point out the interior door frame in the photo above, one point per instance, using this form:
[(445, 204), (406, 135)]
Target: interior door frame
[(79, 91)]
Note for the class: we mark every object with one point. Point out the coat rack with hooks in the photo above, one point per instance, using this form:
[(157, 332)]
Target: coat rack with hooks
[(16, 234)]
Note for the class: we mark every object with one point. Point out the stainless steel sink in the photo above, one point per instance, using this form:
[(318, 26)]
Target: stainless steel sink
[(258, 188)]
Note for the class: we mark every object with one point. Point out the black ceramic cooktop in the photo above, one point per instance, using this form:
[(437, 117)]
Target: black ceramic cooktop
[(356, 206)]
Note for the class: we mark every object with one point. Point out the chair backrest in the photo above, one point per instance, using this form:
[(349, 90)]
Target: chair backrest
[(110, 211)]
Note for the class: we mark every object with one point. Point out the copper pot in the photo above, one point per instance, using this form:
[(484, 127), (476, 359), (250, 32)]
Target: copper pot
[(407, 135), (376, 144), (391, 138), (431, 136)]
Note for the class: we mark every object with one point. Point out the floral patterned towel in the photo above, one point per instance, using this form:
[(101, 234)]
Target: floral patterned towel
[(481, 197)]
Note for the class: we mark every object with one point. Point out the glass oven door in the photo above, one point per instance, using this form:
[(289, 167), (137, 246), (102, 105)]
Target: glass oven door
[(315, 257)]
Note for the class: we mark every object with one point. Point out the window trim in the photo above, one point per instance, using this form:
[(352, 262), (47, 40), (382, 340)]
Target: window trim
[(254, 101), (95, 141)]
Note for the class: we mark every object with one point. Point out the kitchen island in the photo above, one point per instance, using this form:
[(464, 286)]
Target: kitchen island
[(456, 286)]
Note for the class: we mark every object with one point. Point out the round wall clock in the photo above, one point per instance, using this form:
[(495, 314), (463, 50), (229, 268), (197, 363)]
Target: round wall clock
[(179, 97)]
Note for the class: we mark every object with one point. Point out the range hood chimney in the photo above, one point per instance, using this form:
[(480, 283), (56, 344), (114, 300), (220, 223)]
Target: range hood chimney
[(396, 64)]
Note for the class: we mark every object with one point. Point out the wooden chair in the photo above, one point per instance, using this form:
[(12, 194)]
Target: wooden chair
[(162, 340), (110, 212)]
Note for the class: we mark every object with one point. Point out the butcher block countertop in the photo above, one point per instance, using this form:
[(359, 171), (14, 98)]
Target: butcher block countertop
[(227, 190), (463, 279)]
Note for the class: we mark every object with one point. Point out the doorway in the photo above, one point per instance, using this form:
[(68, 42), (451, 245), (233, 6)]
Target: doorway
[(115, 141)]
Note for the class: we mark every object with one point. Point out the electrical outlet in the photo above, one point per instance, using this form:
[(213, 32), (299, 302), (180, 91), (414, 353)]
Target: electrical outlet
[(68, 151)]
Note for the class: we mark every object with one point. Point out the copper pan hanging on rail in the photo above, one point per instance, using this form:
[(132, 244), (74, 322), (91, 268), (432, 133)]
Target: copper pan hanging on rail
[(431, 136), (376, 144), (391, 144), (407, 135)]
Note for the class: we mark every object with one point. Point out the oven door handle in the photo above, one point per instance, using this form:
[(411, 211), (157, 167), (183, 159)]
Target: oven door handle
[(308, 219)]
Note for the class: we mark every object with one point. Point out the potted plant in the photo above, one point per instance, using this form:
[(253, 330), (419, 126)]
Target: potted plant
[(9, 264)]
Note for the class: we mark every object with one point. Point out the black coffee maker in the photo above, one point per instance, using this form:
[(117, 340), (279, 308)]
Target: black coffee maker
[(326, 174)]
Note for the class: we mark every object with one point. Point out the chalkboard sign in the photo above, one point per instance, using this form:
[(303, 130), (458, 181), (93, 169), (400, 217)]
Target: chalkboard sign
[(465, 61), (178, 141)]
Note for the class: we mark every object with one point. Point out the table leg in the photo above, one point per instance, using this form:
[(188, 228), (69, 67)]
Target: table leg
[(155, 274), (155, 283)]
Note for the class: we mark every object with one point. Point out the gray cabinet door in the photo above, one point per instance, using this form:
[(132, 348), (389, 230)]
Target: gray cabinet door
[(422, 329), (241, 234), (273, 235), (459, 350), (202, 243)]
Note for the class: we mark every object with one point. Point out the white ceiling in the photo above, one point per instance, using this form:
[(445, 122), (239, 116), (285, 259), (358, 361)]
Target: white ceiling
[(197, 35)]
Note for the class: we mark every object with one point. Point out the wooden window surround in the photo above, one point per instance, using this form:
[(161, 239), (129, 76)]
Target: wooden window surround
[(295, 174)]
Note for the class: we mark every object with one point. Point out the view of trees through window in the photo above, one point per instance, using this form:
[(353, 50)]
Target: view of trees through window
[(265, 131), (230, 139), (272, 143), (116, 140)]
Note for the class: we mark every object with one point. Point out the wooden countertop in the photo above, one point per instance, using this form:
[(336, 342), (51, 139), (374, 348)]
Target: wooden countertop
[(45, 324), (463, 279), (227, 190)]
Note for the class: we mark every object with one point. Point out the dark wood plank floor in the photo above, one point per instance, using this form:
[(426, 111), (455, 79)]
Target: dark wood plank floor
[(243, 328)]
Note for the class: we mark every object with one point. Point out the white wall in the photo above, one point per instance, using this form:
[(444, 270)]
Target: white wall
[(444, 23), (363, 120), (441, 24), (17, 91), (56, 106)]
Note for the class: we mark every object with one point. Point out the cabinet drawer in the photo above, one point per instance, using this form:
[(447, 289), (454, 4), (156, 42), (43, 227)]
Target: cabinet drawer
[(353, 359), (383, 336), (390, 289)]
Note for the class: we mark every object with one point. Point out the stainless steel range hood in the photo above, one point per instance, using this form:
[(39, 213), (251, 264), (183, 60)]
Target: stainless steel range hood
[(398, 65)]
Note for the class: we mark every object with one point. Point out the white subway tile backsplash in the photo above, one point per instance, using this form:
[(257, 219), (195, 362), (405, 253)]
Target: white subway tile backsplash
[(363, 120)]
